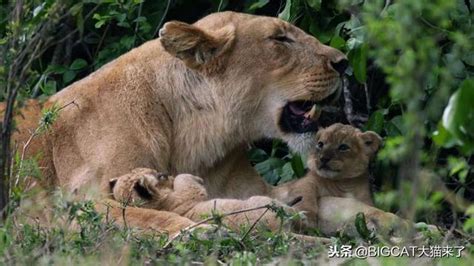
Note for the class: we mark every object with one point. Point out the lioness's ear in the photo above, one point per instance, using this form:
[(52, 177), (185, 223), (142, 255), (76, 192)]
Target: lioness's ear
[(372, 142), (194, 46)]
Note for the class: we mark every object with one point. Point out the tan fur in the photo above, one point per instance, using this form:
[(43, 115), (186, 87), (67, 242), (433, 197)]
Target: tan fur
[(346, 173), (186, 196), (188, 102), (333, 193)]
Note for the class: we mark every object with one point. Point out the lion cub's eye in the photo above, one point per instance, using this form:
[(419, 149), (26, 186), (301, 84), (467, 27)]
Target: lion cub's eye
[(282, 38), (320, 145), (343, 147)]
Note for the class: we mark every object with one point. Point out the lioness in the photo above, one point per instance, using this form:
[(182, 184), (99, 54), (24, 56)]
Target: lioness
[(189, 102), (186, 196)]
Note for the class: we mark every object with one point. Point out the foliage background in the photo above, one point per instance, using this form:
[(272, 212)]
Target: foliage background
[(410, 80)]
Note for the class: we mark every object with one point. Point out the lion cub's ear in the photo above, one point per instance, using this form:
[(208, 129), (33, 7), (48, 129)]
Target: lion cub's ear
[(372, 142), (194, 46)]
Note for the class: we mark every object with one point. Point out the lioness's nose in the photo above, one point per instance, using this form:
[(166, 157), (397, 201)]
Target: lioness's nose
[(335, 59), (340, 65)]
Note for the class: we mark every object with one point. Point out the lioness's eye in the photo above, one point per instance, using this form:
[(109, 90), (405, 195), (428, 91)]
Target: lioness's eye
[(320, 145), (281, 38), (343, 147)]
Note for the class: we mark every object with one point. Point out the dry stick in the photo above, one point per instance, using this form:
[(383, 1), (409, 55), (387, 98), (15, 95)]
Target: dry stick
[(23, 152), (124, 207), (137, 22), (267, 206), (107, 214), (459, 203), (367, 98), (102, 38), (253, 225), (162, 19), (449, 234), (28, 142)]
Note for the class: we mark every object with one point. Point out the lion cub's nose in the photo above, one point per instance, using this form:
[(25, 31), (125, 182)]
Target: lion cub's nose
[(324, 160), (340, 65)]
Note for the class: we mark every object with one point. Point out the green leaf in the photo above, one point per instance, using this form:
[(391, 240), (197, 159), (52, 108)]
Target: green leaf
[(38, 9), (269, 164), (78, 64), (68, 76), (443, 138), (361, 226), (258, 4), (358, 60), (376, 122), (468, 58), (286, 13), (315, 4), (297, 165), (76, 9), (80, 24), (286, 173), (56, 69), (49, 88), (257, 155), (470, 210), (337, 42), (270, 169), (458, 116), (394, 127), (469, 225)]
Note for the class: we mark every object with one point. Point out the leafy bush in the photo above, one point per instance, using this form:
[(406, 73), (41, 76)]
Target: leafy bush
[(410, 79)]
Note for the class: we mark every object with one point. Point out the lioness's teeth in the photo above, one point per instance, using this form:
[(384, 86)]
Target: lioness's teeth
[(313, 113)]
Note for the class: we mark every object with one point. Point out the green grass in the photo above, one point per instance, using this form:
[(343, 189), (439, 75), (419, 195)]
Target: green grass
[(81, 236)]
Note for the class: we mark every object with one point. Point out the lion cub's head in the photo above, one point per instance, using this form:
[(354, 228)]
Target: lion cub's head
[(277, 75), (149, 189), (343, 151)]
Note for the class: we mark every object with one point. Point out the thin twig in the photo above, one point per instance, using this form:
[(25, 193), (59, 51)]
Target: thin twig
[(124, 207), (253, 225), (451, 229), (162, 18), (102, 38), (139, 14), (267, 207), (220, 6), (28, 142)]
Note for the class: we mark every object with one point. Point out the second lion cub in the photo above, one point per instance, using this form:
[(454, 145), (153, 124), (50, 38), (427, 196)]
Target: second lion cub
[(186, 196), (338, 167)]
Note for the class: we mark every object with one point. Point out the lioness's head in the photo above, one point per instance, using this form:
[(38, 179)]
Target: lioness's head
[(343, 151), (273, 73)]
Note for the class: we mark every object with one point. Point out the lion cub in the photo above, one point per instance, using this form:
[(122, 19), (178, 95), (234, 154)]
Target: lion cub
[(186, 196), (338, 167)]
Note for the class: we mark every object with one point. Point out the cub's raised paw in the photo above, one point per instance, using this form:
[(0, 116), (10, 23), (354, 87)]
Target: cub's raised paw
[(142, 187)]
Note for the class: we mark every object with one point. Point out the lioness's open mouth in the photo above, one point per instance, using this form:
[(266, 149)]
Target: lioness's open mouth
[(302, 116)]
